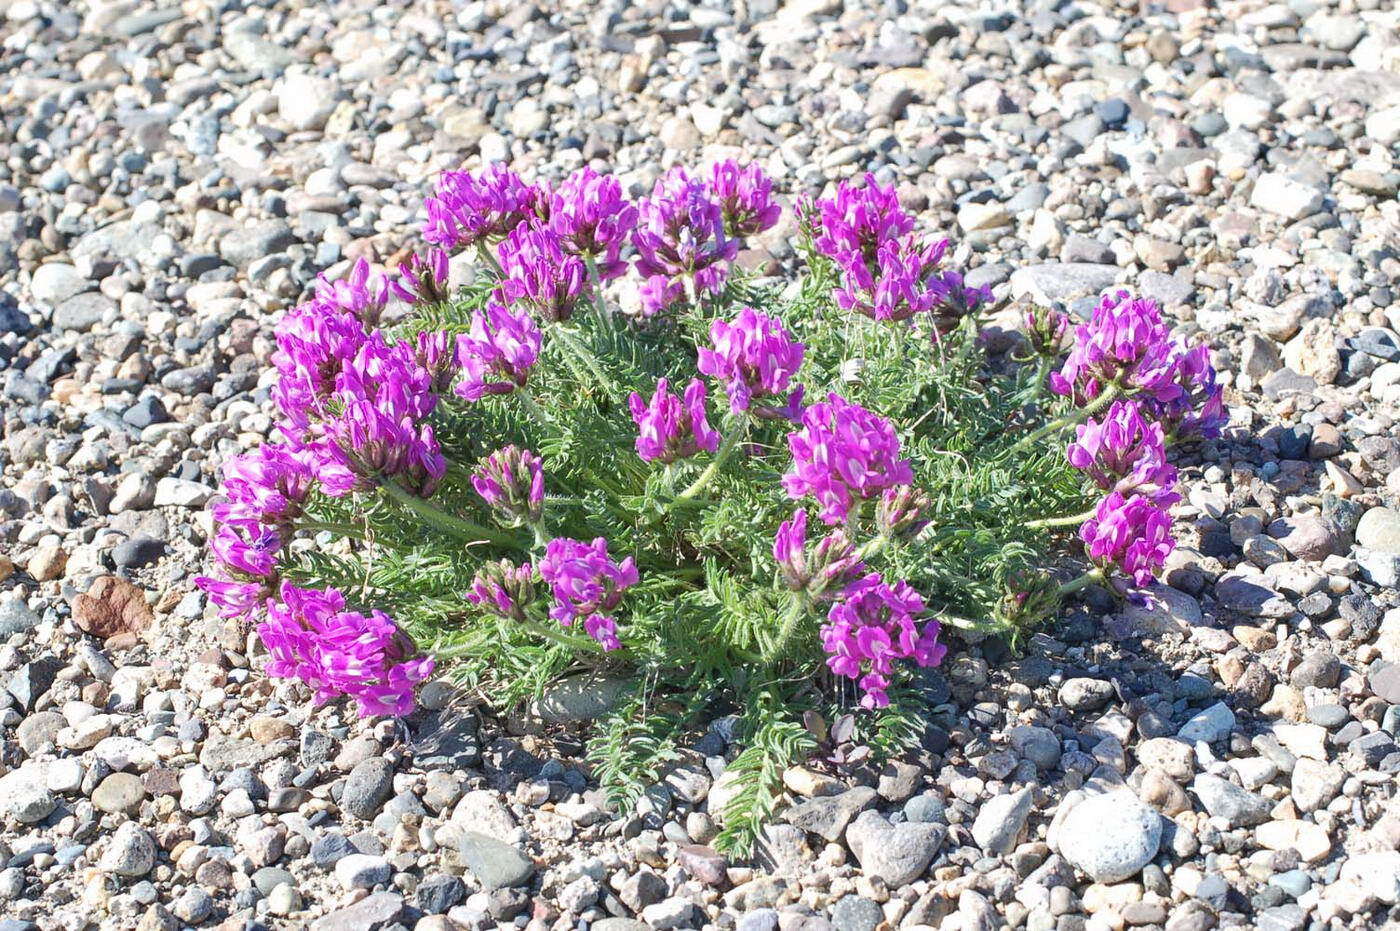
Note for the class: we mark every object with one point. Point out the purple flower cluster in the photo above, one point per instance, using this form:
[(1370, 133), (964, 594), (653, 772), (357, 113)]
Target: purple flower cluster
[(586, 583), (887, 271), (467, 209), (1131, 533), (497, 353), (593, 220), (842, 454), (755, 356), (511, 482), (745, 198), (681, 242), (1127, 343), (423, 278), (539, 274), (669, 428), (871, 627), (1125, 453), (311, 637), (822, 571)]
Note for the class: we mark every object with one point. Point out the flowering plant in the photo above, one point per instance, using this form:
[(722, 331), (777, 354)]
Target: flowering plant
[(785, 499)]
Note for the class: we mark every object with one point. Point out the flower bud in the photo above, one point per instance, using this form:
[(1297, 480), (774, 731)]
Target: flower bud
[(1045, 330), (511, 481), (900, 512), (503, 589)]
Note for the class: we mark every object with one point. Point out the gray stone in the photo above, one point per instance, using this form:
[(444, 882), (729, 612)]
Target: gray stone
[(367, 788), (362, 871), (369, 914), (24, 797), (494, 863), (1000, 822), (1037, 744), (1211, 724), (1224, 799), (130, 852), (1379, 530), (856, 913), (580, 698), (15, 616), (897, 853), (82, 312), (1110, 837), (828, 816), (1062, 281)]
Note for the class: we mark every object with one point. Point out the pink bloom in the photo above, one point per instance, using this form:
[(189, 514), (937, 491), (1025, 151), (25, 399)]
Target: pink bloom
[(1130, 534), (540, 274), (586, 583), (497, 353), (1125, 340), (423, 278), (843, 453), (745, 198), (873, 626), (591, 218), (467, 209), (503, 589), (1125, 453), (680, 237), (233, 598), (755, 356), (310, 636), (825, 570), (361, 293), (669, 428), (511, 482)]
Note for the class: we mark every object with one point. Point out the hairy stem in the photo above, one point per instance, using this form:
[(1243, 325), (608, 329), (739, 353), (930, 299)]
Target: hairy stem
[(1078, 415), (532, 407), (1066, 521), (316, 526), (557, 635), (584, 357), (1093, 576), (488, 259), (797, 610), (726, 449), (449, 523)]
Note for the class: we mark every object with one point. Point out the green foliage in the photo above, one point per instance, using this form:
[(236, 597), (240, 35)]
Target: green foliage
[(702, 629)]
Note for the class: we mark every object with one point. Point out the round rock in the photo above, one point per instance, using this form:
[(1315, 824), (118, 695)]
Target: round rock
[(1111, 836)]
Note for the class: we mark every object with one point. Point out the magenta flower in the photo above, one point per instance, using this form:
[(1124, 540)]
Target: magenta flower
[(842, 454), (1125, 453), (266, 486), (680, 240), (755, 356), (234, 598), (669, 428), (497, 353), (361, 293), (511, 482), (871, 627), (248, 550), (852, 226), (824, 572), (540, 274), (503, 589), (586, 583), (313, 346), (423, 278), (902, 512), (435, 353), (1130, 534), (1124, 341), (593, 220), (1198, 407), (310, 636), (745, 198), (467, 209), (377, 429)]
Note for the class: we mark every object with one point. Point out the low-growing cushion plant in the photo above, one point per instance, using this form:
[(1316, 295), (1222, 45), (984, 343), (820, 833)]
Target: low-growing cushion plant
[(615, 454)]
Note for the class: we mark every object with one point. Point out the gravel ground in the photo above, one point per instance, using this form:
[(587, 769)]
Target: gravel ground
[(172, 177)]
